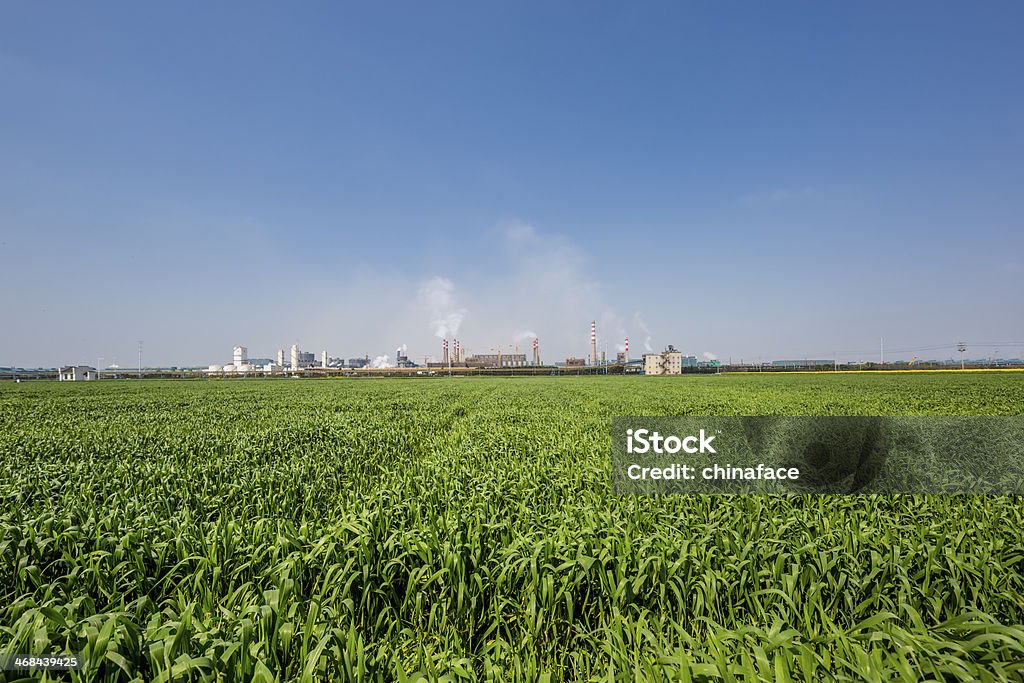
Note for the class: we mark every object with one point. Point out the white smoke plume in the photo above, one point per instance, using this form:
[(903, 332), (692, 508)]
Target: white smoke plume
[(382, 362), (403, 350), (437, 296), (611, 320), (647, 333), (709, 356), (525, 334)]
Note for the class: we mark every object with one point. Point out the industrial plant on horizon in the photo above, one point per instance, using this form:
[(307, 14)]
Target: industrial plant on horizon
[(454, 356)]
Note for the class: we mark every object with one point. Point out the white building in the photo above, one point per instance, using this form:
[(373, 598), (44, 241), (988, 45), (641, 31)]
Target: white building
[(77, 373), (668, 362), (241, 356)]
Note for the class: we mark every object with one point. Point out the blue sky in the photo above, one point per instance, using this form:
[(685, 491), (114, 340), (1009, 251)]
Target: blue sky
[(779, 180)]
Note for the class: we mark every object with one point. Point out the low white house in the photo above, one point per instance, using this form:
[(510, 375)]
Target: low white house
[(78, 373)]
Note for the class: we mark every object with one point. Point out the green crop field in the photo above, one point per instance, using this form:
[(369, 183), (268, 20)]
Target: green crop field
[(465, 529)]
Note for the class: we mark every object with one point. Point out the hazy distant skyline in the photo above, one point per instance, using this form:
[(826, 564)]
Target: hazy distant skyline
[(779, 181)]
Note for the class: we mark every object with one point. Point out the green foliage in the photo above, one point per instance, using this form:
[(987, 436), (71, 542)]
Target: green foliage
[(377, 530)]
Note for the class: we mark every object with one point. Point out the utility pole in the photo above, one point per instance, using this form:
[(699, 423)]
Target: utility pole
[(140, 359), (961, 347), (881, 344)]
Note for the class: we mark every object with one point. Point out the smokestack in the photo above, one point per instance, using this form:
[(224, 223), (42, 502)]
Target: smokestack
[(536, 351), (458, 352), (323, 358), (295, 356), (627, 349), (444, 351), (593, 342)]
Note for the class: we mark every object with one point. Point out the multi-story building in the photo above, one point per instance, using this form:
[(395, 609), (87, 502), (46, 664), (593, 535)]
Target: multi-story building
[(304, 359), (668, 362)]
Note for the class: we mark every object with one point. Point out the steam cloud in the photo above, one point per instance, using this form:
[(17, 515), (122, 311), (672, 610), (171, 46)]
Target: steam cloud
[(647, 333), (437, 296)]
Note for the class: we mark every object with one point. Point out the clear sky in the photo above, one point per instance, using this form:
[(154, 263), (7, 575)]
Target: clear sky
[(746, 180)]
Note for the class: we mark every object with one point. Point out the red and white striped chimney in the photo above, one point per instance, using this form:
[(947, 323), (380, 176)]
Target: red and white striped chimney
[(444, 351), (627, 349), (536, 351), (458, 352)]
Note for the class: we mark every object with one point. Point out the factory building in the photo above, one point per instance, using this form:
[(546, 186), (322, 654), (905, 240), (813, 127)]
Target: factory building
[(623, 356), (805, 363), (573, 362), (668, 362), (77, 373), (497, 360), (240, 362)]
